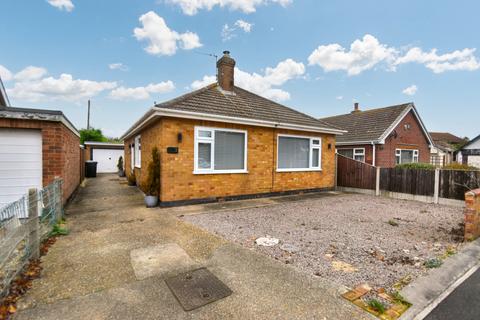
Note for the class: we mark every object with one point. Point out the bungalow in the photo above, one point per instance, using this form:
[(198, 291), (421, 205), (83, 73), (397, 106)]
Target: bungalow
[(470, 153), (444, 150), (224, 142), (36, 146), (383, 137)]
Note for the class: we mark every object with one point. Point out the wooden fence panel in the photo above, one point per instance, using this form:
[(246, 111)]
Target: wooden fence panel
[(455, 183), (411, 181), (355, 174)]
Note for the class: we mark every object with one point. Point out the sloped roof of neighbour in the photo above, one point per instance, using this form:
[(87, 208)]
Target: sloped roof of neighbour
[(369, 125), (471, 142), (239, 106), (446, 137)]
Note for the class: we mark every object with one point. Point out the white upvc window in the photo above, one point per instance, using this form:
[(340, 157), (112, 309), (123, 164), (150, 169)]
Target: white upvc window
[(220, 150), (138, 152), (298, 153), (353, 153), (406, 156)]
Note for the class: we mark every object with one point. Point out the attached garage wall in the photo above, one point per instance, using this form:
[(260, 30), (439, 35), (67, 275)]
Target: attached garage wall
[(60, 151), (20, 163)]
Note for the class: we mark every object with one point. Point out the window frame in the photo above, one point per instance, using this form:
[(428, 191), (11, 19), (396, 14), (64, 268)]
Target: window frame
[(132, 155), (211, 141), (354, 153), (138, 151), (415, 155), (310, 155)]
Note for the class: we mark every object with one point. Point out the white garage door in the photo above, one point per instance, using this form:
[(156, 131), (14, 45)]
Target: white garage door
[(474, 161), (107, 159), (20, 163)]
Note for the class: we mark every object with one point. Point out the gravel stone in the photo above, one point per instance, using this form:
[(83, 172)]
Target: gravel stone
[(347, 229)]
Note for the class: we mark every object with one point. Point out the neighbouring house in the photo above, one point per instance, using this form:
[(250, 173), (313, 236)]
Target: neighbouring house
[(470, 153), (37, 146), (383, 137), (445, 147), (224, 142), (106, 155)]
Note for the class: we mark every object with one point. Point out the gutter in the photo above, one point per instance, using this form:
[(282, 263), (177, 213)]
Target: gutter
[(159, 112)]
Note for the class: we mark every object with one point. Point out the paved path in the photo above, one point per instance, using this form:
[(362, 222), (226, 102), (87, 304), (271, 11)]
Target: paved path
[(463, 303), (89, 274)]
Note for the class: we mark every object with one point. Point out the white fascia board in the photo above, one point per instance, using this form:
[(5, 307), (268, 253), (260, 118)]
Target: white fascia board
[(162, 112)]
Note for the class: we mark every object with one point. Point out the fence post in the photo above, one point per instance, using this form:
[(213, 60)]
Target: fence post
[(436, 188), (59, 200), (336, 171), (377, 182), (33, 238)]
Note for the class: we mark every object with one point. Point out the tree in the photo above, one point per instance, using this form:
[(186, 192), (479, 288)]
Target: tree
[(92, 135)]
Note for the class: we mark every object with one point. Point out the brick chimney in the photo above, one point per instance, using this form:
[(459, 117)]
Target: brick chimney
[(225, 71), (356, 108)]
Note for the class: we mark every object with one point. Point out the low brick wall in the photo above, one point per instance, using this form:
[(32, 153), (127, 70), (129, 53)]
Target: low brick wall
[(472, 215)]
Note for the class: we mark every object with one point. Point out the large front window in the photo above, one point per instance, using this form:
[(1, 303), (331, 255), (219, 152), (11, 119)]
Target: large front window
[(220, 150), (297, 153), (406, 156)]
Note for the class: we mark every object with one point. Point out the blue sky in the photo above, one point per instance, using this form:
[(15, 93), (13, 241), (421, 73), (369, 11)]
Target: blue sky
[(315, 56)]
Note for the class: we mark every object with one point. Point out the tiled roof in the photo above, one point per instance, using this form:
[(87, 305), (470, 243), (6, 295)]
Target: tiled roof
[(240, 104), (368, 125), (446, 137)]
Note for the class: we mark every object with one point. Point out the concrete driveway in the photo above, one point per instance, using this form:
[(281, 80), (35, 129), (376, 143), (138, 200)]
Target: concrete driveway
[(118, 254)]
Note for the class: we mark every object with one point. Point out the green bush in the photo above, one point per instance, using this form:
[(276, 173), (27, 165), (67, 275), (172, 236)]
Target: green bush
[(376, 305), (459, 166), (120, 163), (152, 185), (415, 165), (92, 135)]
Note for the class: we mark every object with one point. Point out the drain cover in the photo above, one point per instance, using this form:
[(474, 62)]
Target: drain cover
[(197, 288)]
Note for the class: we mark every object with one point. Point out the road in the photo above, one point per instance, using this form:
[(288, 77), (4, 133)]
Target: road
[(462, 304)]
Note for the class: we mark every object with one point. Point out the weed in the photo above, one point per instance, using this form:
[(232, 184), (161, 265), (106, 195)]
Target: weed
[(398, 298), (393, 223), (433, 263), (376, 305), (57, 230)]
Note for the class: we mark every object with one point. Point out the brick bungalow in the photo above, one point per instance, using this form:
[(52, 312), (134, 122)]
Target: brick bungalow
[(383, 137), (223, 142), (36, 146), (444, 150)]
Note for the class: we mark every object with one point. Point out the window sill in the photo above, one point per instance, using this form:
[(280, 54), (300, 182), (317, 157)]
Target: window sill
[(221, 172), (300, 170), (138, 167)]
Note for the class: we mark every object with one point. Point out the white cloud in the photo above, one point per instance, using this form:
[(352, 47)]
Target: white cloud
[(264, 85), (364, 54), (30, 73), (5, 74), (368, 52), (229, 32), (339, 98), (244, 25), (64, 88), (118, 66), (142, 93), (206, 80), (66, 5), (456, 60), (410, 91), (162, 40), (191, 7)]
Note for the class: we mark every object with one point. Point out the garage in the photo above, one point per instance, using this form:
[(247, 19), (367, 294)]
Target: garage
[(20, 163), (105, 154)]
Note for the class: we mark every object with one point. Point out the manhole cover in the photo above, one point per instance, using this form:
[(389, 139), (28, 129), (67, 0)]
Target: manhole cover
[(197, 288)]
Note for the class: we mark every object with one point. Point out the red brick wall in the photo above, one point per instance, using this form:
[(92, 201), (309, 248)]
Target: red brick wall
[(472, 215), (413, 138), (60, 146), (179, 183)]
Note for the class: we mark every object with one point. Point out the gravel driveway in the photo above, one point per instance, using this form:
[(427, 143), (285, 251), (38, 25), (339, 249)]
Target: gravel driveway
[(348, 238)]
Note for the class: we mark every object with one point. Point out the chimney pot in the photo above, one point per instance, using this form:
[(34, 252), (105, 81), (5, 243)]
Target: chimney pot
[(356, 108)]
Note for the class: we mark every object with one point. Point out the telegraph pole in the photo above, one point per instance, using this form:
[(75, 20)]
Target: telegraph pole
[(88, 116)]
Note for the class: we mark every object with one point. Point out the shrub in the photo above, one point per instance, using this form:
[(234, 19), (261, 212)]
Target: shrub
[(120, 163), (415, 165), (459, 166), (132, 180), (433, 263), (152, 185)]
